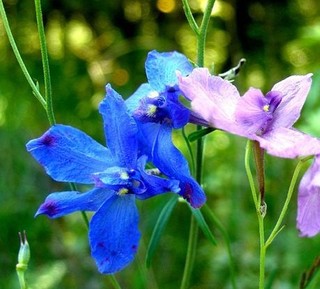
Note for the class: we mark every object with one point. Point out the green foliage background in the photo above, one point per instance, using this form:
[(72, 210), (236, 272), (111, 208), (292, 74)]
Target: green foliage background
[(92, 43)]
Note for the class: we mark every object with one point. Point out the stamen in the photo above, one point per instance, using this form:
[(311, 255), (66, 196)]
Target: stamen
[(151, 111), (123, 191), (266, 107), (124, 176), (153, 94)]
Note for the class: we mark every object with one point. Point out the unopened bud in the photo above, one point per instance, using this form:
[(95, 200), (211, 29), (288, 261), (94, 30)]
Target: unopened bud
[(24, 253)]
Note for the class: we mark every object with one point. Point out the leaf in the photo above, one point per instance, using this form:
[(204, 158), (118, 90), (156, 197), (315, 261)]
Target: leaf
[(200, 133), (203, 225), (159, 228)]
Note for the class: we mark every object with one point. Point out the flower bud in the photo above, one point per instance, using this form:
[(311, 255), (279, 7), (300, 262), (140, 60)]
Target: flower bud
[(24, 253)]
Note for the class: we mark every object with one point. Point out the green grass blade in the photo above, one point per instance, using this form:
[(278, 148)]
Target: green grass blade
[(159, 228), (203, 225), (200, 133)]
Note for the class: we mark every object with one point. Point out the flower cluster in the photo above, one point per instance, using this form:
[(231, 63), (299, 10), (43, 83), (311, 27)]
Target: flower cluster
[(138, 133), (139, 136)]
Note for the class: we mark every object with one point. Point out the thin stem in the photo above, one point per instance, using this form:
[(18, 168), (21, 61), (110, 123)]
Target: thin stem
[(284, 210), (262, 251), (257, 203), (114, 282), (19, 58), (201, 39), (193, 165), (187, 11), (249, 175), (45, 63), (192, 244), (259, 161), (220, 227), (203, 32)]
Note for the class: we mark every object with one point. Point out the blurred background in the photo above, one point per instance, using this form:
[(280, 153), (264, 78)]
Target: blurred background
[(92, 43)]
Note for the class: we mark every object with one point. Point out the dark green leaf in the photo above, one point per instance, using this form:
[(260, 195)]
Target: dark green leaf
[(203, 225), (200, 133), (159, 228)]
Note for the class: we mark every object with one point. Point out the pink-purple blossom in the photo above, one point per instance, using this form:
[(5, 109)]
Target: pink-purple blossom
[(267, 118), (308, 218)]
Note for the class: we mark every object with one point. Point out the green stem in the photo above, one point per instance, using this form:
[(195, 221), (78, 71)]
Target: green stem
[(201, 39), (284, 210), (191, 252), (193, 165), (262, 250), (45, 63), (187, 11), (220, 227), (203, 32), (259, 162), (257, 203), (249, 175), (19, 58), (114, 282)]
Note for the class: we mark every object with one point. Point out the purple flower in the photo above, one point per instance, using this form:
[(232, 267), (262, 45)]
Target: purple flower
[(308, 218), (117, 173), (157, 109), (267, 119)]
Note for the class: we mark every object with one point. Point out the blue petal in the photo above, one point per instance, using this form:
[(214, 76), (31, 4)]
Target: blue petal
[(63, 203), (114, 234), (133, 102), (172, 163), (161, 69), (155, 185), (178, 113), (117, 178), (69, 155), (120, 129)]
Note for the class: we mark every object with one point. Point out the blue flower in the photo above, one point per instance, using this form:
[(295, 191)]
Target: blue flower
[(156, 107), (117, 173)]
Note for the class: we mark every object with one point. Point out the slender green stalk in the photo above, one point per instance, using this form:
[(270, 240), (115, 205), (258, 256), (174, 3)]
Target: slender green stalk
[(45, 63), (259, 161), (203, 32), (262, 250), (193, 165), (249, 175), (201, 39), (264, 244), (260, 216), (191, 252), (284, 210), (114, 282), (187, 11), (18, 56), (220, 227)]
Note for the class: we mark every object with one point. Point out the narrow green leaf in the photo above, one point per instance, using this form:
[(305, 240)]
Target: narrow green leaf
[(200, 133), (203, 225), (159, 228)]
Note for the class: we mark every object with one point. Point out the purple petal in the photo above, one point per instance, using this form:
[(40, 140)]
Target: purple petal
[(64, 203), (294, 90), (308, 216), (289, 143), (114, 234), (120, 129), (161, 69), (212, 98), (250, 112), (69, 155)]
